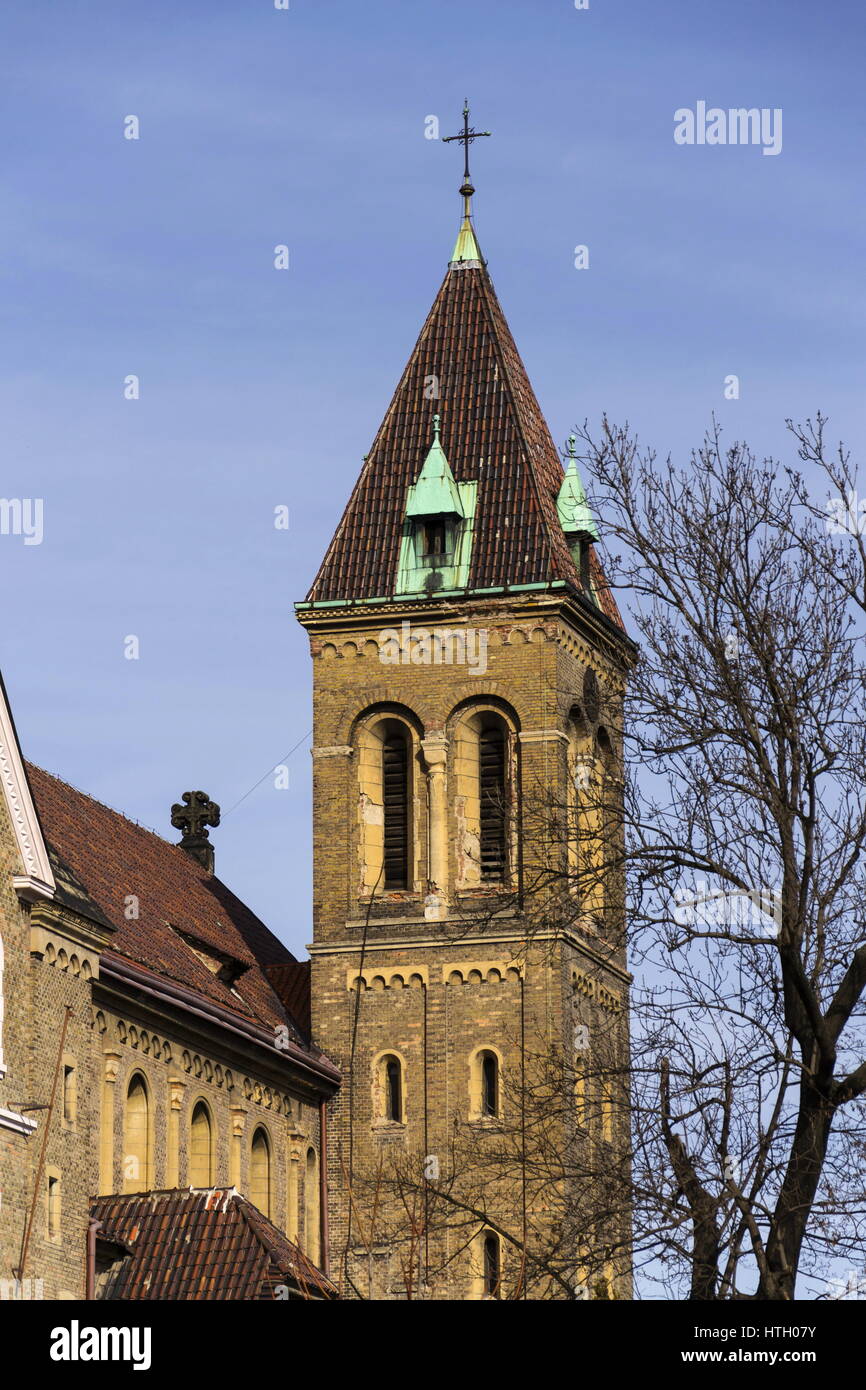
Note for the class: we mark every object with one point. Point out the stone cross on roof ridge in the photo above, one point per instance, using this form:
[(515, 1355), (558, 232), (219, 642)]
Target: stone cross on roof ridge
[(191, 820)]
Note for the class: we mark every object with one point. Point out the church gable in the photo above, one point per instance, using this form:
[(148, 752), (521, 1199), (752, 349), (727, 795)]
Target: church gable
[(36, 877)]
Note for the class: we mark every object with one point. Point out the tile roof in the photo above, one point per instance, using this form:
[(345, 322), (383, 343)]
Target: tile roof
[(197, 1244), (492, 430), (291, 982), (108, 858)]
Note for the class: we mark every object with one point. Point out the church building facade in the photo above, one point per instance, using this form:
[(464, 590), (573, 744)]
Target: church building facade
[(436, 1104)]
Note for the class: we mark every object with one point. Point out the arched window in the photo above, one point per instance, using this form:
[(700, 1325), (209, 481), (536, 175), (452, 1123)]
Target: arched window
[(491, 777), (260, 1172), (484, 763), (393, 1090), (607, 1109), (485, 1084), (395, 800), (54, 1228), (389, 1099), (311, 1206), (492, 1270), (136, 1137), (589, 830), (581, 1108), (201, 1172), (489, 1083), (386, 748)]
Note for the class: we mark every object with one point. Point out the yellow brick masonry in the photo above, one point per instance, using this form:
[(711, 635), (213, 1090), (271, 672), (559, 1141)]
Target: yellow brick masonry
[(442, 980)]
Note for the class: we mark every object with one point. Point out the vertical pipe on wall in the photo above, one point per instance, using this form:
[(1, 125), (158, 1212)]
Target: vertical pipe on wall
[(323, 1189)]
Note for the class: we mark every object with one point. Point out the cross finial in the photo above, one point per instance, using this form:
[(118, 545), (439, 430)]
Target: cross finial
[(466, 136), (191, 820)]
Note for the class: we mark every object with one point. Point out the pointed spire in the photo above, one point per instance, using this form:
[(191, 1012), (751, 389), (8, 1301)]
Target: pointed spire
[(466, 253), (435, 493), (573, 510)]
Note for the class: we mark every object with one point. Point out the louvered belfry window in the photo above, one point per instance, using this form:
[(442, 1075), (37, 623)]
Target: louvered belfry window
[(395, 793), (492, 796)]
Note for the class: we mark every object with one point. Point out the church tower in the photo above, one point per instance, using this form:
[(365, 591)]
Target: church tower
[(468, 961)]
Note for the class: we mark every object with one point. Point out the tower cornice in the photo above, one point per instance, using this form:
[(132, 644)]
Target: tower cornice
[(537, 603)]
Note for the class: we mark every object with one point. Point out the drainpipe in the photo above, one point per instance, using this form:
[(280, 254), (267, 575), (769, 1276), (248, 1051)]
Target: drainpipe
[(323, 1190), (93, 1226)]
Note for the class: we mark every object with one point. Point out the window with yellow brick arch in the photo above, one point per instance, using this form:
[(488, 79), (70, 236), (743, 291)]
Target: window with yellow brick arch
[(590, 783), (389, 1089), (260, 1170), (485, 1084), (137, 1135), (485, 754), (312, 1210), (387, 743), (486, 1265), (201, 1146)]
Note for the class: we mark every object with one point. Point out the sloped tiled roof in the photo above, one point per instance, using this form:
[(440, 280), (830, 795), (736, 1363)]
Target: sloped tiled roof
[(110, 858), (197, 1244), (492, 430), (291, 981)]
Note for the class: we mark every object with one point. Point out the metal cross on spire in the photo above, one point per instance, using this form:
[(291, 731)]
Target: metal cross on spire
[(466, 136)]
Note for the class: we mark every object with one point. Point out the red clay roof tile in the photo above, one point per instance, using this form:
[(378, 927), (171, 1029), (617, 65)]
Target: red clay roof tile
[(198, 1244)]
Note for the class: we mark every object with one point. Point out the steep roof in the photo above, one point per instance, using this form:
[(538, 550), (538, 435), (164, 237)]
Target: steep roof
[(291, 981), (196, 1244), (183, 912), (492, 430)]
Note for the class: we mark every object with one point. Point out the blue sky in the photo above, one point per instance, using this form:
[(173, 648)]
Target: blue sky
[(260, 388)]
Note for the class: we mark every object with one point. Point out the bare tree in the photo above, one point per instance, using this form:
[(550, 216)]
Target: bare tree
[(746, 742)]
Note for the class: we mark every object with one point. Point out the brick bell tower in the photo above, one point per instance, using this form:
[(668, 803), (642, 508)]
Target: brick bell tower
[(468, 963)]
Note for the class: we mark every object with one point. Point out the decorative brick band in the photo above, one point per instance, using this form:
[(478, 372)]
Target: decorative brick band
[(591, 989), (394, 977), (491, 972)]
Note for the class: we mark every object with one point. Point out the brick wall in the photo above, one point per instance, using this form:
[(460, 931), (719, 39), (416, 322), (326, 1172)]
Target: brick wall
[(487, 970)]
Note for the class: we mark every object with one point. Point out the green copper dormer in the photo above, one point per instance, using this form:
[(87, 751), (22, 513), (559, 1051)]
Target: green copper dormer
[(436, 544), (577, 520), (435, 493)]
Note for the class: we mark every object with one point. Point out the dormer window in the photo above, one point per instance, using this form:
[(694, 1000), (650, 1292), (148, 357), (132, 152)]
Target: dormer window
[(437, 530)]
